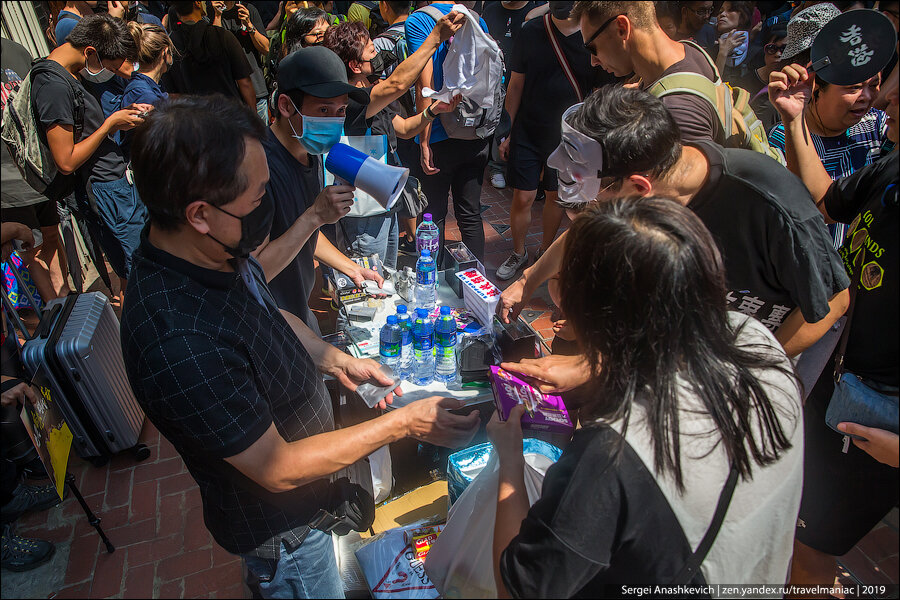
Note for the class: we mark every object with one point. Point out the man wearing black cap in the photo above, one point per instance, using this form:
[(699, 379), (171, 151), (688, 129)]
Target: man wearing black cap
[(317, 78), (231, 380), (310, 109)]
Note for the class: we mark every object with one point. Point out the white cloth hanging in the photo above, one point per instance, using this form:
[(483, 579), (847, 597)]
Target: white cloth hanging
[(473, 66)]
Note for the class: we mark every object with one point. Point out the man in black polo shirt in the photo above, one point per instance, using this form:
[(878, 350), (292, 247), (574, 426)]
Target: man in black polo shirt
[(232, 381), (779, 263)]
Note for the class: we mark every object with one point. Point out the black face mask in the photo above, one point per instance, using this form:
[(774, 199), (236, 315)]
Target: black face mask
[(378, 64), (255, 226), (561, 10)]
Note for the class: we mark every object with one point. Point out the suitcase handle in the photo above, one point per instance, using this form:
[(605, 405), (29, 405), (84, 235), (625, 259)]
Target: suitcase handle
[(46, 323)]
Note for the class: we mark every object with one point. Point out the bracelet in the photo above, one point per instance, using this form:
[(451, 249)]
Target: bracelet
[(429, 116)]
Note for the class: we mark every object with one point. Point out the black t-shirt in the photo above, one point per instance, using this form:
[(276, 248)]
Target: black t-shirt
[(777, 251), (547, 92), (626, 533), (504, 26), (696, 118), (382, 123), (54, 104), (868, 200), (210, 61), (232, 22), (293, 188), (213, 369)]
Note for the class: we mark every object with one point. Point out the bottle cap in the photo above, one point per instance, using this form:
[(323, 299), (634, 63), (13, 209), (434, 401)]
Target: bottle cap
[(426, 252), (445, 310), (426, 217), (401, 309), (422, 312), (392, 320)]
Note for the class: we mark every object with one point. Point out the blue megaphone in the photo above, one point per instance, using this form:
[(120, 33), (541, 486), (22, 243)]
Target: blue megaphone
[(382, 182)]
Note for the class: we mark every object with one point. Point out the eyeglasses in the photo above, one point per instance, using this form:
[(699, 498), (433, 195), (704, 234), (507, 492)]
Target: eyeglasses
[(587, 44), (774, 48), (317, 35), (703, 13)]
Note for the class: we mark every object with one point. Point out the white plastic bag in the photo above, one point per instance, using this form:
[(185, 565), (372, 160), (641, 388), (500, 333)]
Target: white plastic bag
[(461, 563), (392, 569), (382, 473)]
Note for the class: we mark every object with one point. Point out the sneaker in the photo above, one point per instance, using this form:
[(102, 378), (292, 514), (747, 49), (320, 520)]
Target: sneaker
[(498, 180), (511, 266), (406, 245), (23, 554), (30, 498)]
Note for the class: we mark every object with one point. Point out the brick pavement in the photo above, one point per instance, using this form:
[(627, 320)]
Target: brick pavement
[(151, 510)]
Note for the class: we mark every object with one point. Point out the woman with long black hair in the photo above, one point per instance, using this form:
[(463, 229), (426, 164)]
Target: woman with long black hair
[(693, 411)]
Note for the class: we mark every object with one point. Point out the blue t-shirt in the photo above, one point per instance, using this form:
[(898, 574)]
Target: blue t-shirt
[(141, 89), (418, 26), (65, 23)]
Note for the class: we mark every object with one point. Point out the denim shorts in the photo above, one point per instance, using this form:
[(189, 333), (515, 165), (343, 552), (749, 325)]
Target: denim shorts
[(122, 217)]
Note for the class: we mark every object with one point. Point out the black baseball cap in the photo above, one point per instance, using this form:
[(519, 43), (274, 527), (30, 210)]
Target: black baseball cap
[(319, 72)]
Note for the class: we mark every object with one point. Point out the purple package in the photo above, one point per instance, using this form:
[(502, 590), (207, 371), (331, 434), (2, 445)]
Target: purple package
[(543, 412)]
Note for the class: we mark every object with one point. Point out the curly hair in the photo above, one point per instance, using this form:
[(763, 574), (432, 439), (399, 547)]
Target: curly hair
[(347, 40)]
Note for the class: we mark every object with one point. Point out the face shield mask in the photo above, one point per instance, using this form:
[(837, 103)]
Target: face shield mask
[(578, 161)]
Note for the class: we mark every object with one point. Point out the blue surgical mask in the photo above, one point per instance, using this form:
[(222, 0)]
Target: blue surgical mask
[(319, 133)]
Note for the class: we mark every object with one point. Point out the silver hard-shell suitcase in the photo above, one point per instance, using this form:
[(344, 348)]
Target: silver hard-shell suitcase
[(78, 340)]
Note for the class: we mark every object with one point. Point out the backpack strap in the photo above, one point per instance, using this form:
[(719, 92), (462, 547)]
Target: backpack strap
[(48, 66), (432, 12), (561, 57), (692, 565), (698, 85)]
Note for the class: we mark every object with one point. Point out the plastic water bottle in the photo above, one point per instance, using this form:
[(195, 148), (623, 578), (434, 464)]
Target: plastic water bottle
[(445, 343), (428, 236), (423, 358), (391, 338), (426, 278), (406, 345)]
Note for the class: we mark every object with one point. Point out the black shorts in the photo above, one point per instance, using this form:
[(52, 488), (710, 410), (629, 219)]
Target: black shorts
[(844, 495), (527, 158), (33, 216)]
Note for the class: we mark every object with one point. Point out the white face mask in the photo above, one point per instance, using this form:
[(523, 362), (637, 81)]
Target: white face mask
[(578, 160), (101, 76)]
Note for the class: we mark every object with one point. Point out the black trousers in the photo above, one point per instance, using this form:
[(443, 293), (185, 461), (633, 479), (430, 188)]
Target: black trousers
[(461, 164)]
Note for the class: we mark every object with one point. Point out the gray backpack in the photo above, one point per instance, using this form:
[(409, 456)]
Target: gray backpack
[(469, 121), (22, 137)]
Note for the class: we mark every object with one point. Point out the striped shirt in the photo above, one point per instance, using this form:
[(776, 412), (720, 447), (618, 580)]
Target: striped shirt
[(841, 155)]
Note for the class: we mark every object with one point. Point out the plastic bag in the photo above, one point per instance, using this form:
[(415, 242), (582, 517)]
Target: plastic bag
[(391, 568), (464, 466), (461, 563), (382, 473)]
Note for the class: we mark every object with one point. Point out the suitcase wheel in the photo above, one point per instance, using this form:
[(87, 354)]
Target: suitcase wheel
[(141, 452), (98, 461)]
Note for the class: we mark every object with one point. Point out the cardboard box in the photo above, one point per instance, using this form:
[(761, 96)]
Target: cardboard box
[(543, 412), (428, 502)]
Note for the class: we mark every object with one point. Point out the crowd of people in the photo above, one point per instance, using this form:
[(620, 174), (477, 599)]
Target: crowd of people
[(732, 213)]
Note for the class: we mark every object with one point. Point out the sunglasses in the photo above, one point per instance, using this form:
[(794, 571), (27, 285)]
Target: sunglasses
[(774, 48), (587, 44)]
